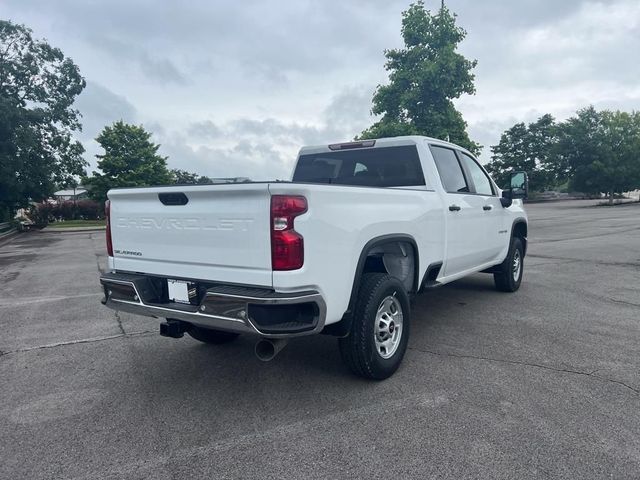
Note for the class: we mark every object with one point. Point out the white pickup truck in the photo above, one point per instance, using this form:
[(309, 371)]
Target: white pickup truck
[(340, 249)]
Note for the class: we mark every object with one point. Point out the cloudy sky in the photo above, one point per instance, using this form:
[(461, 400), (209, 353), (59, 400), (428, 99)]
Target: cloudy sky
[(234, 88)]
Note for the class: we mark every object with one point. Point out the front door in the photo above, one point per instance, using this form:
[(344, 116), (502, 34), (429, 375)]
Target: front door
[(490, 211)]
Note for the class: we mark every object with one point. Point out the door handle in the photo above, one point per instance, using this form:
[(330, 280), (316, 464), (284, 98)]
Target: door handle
[(487, 207), (454, 208)]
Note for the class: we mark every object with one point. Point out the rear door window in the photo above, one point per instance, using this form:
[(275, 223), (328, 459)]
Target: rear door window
[(449, 169), (372, 167)]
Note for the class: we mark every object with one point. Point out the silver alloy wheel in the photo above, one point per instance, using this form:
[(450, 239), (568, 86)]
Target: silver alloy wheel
[(517, 265), (388, 330)]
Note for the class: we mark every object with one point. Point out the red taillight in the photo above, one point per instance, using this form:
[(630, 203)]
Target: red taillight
[(107, 215), (287, 245)]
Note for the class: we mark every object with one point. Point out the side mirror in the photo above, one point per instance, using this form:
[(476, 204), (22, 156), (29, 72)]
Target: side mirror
[(518, 188), (519, 185)]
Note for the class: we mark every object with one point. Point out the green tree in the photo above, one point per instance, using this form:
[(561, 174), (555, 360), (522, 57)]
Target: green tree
[(130, 159), (424, 78), (182, 177), (529, 148), (600, 151), (38, 86)]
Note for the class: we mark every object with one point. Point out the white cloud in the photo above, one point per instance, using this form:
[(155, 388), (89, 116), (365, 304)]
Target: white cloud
[(237, 87), (100, 106), (601, 25), (557, 66), (264, 148)]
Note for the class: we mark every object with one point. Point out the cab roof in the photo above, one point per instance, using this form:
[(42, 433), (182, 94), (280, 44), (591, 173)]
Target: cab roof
[(379, 142)]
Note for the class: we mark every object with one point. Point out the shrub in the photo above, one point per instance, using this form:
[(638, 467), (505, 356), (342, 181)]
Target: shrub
[(89, 210), (43, 213)]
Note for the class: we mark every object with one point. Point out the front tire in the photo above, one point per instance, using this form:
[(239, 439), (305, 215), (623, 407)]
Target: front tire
[(509, 277), (380, 328), (214, 337)]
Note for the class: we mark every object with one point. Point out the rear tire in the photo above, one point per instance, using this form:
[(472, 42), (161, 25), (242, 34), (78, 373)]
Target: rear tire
[(509, 277), (214, 337), (380, 328)]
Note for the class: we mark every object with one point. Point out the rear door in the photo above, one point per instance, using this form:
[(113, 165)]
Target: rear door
[(205, 232)]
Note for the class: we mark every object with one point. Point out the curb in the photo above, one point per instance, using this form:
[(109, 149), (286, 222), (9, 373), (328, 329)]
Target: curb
[(73, 229)]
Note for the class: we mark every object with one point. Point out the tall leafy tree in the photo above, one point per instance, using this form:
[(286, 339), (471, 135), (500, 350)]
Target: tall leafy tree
[(529, 148), (38, 86), (424, 78), (183, 177), (600, 151), (130, 159)]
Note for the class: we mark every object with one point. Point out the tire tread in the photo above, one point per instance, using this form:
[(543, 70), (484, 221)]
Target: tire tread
[(503, 279), (353, 348)]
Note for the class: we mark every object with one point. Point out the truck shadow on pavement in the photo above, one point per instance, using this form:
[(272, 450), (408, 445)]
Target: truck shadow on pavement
[(306, 359), (226, 390)]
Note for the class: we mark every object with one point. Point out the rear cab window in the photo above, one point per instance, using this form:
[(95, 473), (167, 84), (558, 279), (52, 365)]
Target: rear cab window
[(397, 166)]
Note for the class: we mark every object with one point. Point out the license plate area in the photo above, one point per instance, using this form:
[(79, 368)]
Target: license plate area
[(180, 291)]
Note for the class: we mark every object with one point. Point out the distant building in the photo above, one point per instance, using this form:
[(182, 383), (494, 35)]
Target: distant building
[(78, 193)]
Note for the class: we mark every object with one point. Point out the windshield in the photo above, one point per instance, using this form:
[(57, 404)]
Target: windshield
[(373, 167)]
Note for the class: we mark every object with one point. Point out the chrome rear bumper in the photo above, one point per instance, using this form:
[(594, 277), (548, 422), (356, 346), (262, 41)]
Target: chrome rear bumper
[(221, 307)]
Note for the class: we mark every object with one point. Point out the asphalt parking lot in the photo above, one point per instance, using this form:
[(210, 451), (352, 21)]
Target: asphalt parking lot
[(544, 383)]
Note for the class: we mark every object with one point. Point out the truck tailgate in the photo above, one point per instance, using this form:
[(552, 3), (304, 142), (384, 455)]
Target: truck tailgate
[(221, 233)]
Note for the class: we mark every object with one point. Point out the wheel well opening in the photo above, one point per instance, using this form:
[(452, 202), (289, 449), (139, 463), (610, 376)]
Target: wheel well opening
[(520, 231), (397, 259)]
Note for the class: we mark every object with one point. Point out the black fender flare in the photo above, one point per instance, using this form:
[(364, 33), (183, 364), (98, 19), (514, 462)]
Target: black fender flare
[(516, 222)]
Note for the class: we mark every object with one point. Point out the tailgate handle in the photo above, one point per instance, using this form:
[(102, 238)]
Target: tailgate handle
[(173, 198)]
